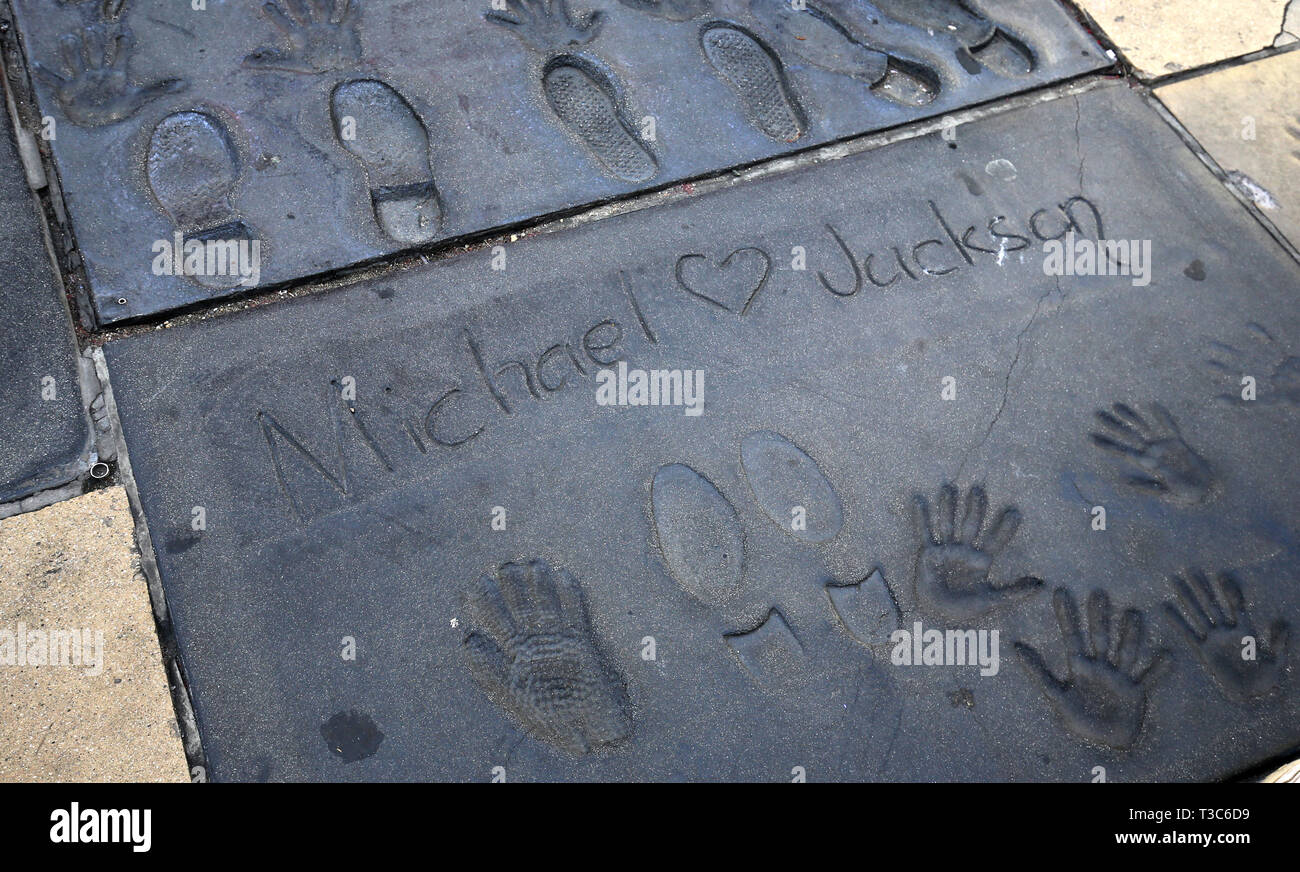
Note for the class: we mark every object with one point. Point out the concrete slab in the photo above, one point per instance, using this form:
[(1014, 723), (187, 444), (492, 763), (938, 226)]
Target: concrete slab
[(442, 539), (1248, 118), (44, 435), (93, 706), (335, 133), (1160, 37)]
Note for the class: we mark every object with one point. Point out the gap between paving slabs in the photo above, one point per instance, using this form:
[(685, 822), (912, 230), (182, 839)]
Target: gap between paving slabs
[(52, 428), (59, 440), (1248, 117), (631, 203)]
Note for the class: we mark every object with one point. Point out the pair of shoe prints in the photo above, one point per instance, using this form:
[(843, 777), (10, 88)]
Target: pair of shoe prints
[(338, 131)]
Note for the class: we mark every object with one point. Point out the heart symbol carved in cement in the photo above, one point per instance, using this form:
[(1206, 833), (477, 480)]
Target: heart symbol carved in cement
[(733, 284)]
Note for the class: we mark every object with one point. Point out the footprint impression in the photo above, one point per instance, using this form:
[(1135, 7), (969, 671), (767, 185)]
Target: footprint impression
[(532, 650), (745, 63), (193, 169), (376, 125), (984, 43), (836, 45), (703, 543), (585, 99), (582, 93), (757, 77)]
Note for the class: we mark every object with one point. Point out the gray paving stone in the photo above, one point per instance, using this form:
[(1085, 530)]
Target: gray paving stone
[(714, 596), (334, 133), (43, 432)]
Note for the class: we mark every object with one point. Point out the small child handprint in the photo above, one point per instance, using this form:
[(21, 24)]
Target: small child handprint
[(547, 24), (1162, 462), (92, 87), (318, 36)]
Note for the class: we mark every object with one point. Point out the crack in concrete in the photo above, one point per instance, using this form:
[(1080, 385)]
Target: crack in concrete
[(1078, 141), (1038, 306), (1006, 382), (1290, 31)]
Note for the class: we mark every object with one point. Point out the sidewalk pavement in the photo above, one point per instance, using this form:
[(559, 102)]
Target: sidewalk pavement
[(73, 567)]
